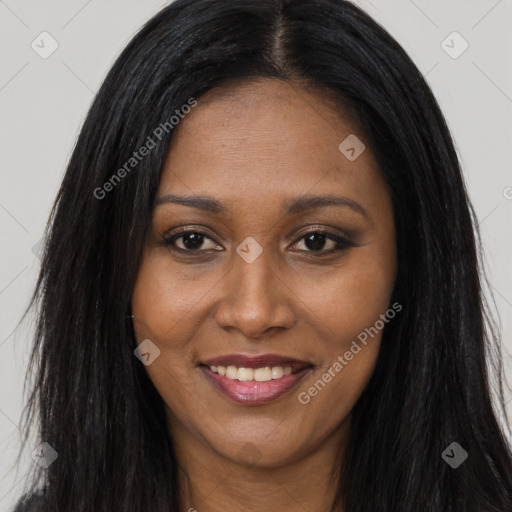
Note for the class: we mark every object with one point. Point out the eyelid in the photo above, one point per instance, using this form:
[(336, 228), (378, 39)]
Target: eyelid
[(196, 228), (335, 232)]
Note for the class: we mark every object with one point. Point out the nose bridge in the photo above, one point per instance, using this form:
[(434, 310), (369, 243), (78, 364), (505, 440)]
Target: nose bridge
[(254, 279), (254, 299)]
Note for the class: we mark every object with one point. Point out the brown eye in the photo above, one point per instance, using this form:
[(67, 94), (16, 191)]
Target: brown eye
[(316, 241), (191, 241)]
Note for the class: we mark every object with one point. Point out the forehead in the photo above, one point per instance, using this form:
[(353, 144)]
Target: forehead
[(267, 139)]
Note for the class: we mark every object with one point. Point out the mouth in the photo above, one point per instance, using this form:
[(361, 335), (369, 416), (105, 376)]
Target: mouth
[(254, 380)]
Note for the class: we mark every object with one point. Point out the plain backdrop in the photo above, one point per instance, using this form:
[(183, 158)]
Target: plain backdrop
[(43, 102)]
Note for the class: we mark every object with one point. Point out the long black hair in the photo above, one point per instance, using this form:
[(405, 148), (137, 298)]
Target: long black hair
[(431, 386)]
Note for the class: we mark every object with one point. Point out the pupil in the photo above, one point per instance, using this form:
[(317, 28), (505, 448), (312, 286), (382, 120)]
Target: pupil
[(193, 241), (315, 241)]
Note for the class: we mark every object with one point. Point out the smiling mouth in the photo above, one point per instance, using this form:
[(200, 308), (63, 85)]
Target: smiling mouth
[(254, 380)]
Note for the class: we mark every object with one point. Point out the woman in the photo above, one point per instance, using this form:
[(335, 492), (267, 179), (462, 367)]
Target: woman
[(260, 288)]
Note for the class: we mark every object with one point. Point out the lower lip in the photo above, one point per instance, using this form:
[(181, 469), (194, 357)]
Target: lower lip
[(253, 392)]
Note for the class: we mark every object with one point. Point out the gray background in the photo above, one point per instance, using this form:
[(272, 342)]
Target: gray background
[(43, 103)]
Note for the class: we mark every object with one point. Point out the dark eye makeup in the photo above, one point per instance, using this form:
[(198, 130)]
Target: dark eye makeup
[(192, 239)]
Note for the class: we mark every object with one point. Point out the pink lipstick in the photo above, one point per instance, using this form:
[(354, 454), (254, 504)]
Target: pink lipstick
[(254, 380)]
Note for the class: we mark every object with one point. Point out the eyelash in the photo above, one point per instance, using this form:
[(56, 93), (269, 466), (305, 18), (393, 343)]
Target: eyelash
[(341, 242)]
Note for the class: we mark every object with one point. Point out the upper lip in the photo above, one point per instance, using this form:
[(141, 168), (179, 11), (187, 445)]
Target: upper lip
[(256, 361)]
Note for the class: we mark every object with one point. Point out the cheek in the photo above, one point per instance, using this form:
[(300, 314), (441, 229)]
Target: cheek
[(353, 310), (350, 307), (164, 298), (328, 398), (350, 296), (160, 308)]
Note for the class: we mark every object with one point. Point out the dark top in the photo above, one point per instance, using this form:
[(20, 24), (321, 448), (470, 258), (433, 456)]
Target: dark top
[(30, 502)]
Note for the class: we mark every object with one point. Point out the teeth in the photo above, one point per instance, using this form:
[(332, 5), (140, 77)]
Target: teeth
[(245, 374), (232, 372), (257, 374), (263, 374), (277, 372)]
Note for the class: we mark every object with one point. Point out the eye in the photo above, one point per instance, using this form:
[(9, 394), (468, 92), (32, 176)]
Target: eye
[(189, 240), (316, 241), (195, 241)]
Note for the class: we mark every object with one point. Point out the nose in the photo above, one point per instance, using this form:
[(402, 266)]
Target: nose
[(255, 299)]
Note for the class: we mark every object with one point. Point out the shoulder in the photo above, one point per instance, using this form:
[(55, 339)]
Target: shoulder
[(30, 502)]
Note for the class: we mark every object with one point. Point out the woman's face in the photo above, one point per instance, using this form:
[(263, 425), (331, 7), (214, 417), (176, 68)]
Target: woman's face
[(261, 287)]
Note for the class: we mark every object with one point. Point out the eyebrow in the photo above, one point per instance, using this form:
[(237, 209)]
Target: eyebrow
[(310, 202), (203, 203), (292, 206)]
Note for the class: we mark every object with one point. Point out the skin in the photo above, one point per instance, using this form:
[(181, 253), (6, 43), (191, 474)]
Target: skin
[(253, 146)]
